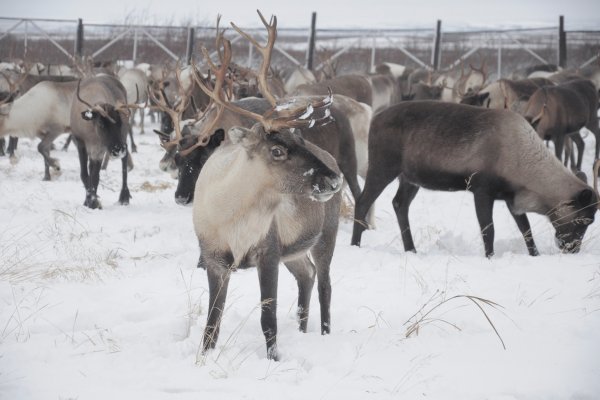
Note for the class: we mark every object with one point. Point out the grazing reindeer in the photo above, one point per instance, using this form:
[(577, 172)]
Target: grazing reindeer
[(493, 153), (99, 125), (558, 112), (267, 197)]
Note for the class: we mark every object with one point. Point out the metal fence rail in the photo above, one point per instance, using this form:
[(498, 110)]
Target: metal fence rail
[(503, 51)]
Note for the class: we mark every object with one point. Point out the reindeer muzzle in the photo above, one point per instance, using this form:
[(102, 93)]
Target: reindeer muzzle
[(326, 188)]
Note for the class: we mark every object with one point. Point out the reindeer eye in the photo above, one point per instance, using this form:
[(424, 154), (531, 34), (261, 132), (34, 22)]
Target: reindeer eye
[(278, 153)]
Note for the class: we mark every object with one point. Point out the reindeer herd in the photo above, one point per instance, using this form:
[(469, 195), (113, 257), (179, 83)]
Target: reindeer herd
[(263, 161)]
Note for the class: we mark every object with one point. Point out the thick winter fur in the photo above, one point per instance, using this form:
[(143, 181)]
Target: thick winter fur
[(135, 82), (336, 137), (356, 87), (506, 93), (385, 91), (95, 135), (493, 153), (558, 111), (43, 112), (261, 199)]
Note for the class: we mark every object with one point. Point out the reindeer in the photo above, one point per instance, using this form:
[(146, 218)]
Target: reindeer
[(558, 112), (507, 94), (23, 82), (99, 124), (495, 154), (43, 112), (385, 91), (356, 87), (268, 196)]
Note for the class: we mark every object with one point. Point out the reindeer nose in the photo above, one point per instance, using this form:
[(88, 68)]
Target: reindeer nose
[(334, 183)]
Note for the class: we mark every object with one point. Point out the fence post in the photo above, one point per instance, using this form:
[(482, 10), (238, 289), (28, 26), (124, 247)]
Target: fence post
[(190, 45), (135, 45), (25, 45), (562, 42), (311, 42), (374, 46), (79, 40), (435, 56), (499, 59)]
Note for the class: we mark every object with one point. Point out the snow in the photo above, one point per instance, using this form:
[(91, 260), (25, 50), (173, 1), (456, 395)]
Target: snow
[(108, 304)]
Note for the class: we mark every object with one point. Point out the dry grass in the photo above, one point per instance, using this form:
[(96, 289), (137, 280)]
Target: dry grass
[(424, 315)]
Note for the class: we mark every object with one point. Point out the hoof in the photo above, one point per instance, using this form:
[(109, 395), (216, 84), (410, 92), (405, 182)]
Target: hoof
[(124, 197)]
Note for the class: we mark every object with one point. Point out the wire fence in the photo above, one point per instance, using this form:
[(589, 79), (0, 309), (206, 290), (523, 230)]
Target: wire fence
[(346, 50)]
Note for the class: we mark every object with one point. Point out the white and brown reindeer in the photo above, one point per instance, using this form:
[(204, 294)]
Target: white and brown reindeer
[(42, 112), (265, 197), (495, 154)]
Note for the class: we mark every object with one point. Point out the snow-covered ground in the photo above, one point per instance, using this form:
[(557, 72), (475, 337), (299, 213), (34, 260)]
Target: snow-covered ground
[(108, 304)]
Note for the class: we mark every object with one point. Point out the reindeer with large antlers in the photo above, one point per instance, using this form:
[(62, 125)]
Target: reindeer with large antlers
[(99, 124), (264, 197)]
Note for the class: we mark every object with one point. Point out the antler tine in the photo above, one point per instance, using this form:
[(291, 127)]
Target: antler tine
[(160, 101), (127, 106), (266, 52), (79, 96), (481, 70), (216, 93), (95, 108)]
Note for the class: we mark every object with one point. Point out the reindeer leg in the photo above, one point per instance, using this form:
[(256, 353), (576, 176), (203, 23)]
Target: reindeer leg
[(83, 162), (12, 145), (2, 147), (304, 272), (67, 143), (44, 148), (374, 185), (523, 225), (91, 198), (125, 195), (142, 115), (268, 272), (559, 142), (133, 145), (322, 253), (218, 281), (576, 137), (404, 196), (484, 205)]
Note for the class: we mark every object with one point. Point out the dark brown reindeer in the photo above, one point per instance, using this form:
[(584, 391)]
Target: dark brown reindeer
[(558, 112), (99, 125), (268, 196), (495, 154)]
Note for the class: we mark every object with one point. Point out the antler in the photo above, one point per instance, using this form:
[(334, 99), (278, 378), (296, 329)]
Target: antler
[(482, 70), (281, 116), (161, 102), (95, 108), (266, 52)]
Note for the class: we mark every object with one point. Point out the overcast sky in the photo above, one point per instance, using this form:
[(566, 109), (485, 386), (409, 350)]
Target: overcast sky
[(579, 14)]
